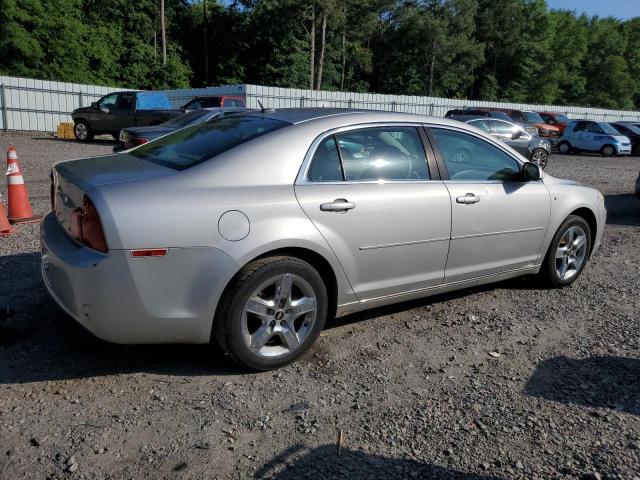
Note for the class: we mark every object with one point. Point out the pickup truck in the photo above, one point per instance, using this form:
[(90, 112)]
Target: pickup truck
[(119, 110)]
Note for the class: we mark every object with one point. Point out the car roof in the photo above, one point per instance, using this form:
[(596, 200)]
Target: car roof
[(345, 116)]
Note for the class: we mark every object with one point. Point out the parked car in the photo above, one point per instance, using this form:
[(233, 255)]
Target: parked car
[(532, 147), (119, 110), (473, 112), (632, 132), (216, 101), (556, 119), (254, 228), (527, 118), (135, 136), (592, 136)]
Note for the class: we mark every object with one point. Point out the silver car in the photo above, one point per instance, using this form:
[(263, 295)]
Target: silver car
[(530, 145), (253, 229)]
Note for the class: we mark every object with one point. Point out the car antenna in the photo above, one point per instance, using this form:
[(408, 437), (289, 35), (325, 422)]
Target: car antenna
[(264, 110)]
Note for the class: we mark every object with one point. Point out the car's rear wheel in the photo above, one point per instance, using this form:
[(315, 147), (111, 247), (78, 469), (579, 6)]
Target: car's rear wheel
[(273, 311), (636, 150), (568, 252), (82, 131), (608, 150), (540, 156), (564, 148)]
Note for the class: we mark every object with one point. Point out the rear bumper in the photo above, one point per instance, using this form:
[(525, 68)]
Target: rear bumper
[(120, 299)]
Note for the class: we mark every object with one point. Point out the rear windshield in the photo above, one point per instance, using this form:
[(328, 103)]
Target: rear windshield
[(198, 143), (532, 117), (188, 118)]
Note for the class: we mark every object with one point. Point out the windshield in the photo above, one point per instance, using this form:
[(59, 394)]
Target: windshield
[(608, 129), (532, 117), (632, 128), (198, 143), (562, 119), (189, 118), (501, 115)]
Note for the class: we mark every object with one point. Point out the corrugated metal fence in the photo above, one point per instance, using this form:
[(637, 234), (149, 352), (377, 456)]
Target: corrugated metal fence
[(28, 104)]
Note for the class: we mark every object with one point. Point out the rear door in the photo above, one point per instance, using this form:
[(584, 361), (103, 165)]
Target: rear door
[(498, 220), (380, 205)]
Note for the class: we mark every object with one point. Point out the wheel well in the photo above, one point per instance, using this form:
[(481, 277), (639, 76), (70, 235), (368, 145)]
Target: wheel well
[(590, 218), (314, 259)]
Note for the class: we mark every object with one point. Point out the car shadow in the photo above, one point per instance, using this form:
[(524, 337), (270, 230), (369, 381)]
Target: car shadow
[(622, 209), (323, 462), (600, 381)]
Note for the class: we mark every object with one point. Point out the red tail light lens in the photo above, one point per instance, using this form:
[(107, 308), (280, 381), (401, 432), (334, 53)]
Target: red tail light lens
[(139, 141), (91, 233)]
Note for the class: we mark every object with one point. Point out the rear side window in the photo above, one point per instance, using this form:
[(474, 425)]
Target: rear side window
[(196, 144), (325, 165), (469, 158), (384, 153)]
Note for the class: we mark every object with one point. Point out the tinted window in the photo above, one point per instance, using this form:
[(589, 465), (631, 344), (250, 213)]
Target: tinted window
[(517, 116), (325, 165), (470, 158), (385, 153), (532, 117), (126, 101), (198, 143), (210, 102), (193, 105), (580, 127), (503, 128), (594, 128), (188, 118)]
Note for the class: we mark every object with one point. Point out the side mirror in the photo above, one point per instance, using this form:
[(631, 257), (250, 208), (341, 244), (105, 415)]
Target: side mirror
[(105, 109), (516, 135), (531, 172), (94, 104)]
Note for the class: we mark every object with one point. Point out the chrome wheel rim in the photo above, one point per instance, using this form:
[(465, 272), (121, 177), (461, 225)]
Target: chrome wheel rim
[(279, 316), (540, 157), (571, 252), (81, 131)]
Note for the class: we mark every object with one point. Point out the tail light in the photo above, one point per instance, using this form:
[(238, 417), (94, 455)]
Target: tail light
[(85, 226), (139, 141)]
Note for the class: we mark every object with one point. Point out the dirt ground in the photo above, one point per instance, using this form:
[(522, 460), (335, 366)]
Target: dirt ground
[(412, 387)]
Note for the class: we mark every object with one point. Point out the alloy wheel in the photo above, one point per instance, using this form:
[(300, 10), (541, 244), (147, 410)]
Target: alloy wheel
[(279, 315), (540, 157), (571, 252), (81, 131)]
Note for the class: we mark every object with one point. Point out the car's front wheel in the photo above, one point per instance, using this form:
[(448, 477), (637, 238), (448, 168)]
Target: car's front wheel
[(82, 131), (540, 156), (568, 252), (564, 148), (273, 311), (608, 150)]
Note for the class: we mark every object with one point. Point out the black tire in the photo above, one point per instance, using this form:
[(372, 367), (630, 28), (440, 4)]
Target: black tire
[(636, 150), (548, 272), (82, 131), (227, 324), (564, 148), (608, 150), (540, 157)]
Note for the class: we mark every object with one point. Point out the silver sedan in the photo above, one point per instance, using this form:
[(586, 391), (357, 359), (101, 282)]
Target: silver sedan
[(254, 229)]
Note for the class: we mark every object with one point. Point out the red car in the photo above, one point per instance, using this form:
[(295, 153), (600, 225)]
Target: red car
[(556, 119)]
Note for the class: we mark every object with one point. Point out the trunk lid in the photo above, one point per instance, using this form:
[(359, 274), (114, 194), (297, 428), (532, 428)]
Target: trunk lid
[(71, 179)]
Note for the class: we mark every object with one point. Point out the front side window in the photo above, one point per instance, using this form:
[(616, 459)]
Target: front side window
[(482, 125), (109, 101), (470, 158), (198, 143), (593, 127), (383, 153), (503, 128)]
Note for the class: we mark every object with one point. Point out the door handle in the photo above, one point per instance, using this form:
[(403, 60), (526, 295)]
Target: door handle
[(468, 199), (338, 205)]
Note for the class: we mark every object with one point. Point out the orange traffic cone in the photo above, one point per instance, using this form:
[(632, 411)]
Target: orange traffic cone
[(5, 228), (19, 207)]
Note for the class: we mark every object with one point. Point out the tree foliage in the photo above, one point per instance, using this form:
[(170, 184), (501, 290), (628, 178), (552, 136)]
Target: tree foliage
[(516, 50)]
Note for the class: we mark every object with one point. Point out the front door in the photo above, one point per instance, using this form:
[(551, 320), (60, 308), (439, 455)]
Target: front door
[(498, 221), (370, 193), (102, 117)]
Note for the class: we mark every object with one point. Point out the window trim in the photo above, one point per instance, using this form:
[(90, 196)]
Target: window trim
[(444, 172), (432, 167)]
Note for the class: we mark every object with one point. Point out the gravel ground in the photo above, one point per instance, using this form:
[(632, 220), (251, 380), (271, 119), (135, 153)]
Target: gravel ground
[(412, 387)]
